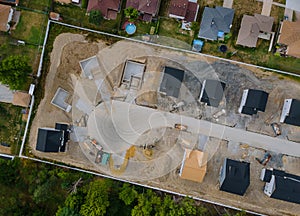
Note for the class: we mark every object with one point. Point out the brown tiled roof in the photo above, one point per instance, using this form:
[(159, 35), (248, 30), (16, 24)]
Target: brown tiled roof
[(191, 12), (251, 26), (144, 6), (194, 167), (290, 36), (106, 7), (4, 13), (16, 2), (249, 31), (178, 7), (21, 99)]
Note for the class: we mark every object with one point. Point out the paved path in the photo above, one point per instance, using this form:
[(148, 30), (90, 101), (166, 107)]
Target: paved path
[(130, 121), (289, 13), (267, 5), (6, 95), (228, 3)]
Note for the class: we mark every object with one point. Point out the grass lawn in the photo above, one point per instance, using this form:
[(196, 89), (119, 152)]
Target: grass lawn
[(171, 28), (8, 48), (10, 125), (77, 16), (143, 27), (42, 5), (31, 27)]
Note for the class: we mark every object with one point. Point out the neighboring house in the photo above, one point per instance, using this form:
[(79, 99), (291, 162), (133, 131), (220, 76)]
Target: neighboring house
[(6, 15), (193, 166), (147, 8), (12, 2), (212, 92), (290, 36), (216, 22), (53, 139), (281, 185), (108, 8), (234, 176), (291, 112), (253, 101), (254, 27), (171, 82), (21, 99), (185, 10)]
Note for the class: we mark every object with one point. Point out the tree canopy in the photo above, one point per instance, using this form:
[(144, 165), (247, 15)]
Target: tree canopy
[(14, 71), (131, 13), (95, 17)]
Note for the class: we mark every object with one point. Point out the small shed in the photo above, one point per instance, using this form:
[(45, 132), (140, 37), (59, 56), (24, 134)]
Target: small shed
[(21, 99)]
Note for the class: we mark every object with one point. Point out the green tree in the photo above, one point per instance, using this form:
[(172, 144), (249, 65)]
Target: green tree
[(128, 194), (195, 27), (14, 71), (148, 204), (95, 17), (66, 211), (96, 200), (131, 13)]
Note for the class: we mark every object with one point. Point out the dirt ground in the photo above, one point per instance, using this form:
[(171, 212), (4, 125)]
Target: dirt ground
[(69, 49)]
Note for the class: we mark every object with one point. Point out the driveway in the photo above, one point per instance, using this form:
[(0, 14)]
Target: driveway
[(6, 95), (228, 3), (128, 121), (267, 5)]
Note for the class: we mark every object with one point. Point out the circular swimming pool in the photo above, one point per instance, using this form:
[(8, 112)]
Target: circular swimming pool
[(130, 28)]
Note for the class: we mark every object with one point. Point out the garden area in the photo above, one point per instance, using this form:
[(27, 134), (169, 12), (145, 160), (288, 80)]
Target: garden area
[(10, 127), (41, 5)]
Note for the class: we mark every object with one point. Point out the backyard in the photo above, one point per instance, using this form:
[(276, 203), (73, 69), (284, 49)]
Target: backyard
[(42, 5), (10, 126), (31, 27)]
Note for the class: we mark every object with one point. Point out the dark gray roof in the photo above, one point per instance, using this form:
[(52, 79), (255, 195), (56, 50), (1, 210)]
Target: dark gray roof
[(287, 186), (171, 82), (49, 140), (53, 140), (214, 20), (256, 101), (212, 92), (293, 117), (237, 178)]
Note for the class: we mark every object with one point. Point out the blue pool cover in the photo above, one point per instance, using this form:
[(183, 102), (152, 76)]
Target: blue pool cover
[(130, 28)]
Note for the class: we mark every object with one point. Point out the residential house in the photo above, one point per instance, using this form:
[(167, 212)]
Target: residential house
[(215, 23), (253, 101), (6, 15), (290, 36), (281, 185), (108, 8), (147, 8), (171, 82), (53, 139), (212, 92), (185, 10), (12, 2), (234, 176), (193, 166), (291, 112), (254, 27)]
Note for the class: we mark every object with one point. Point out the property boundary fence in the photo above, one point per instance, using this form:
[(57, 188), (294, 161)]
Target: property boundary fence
[(111, 177)]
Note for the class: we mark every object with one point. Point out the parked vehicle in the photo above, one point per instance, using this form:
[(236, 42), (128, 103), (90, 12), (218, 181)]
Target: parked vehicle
[(276, 129), (181, 127)]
